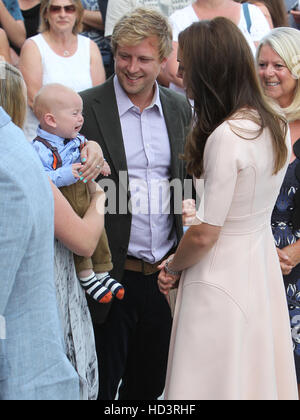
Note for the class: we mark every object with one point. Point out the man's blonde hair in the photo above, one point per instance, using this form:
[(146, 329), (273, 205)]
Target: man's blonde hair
[(140, 24)]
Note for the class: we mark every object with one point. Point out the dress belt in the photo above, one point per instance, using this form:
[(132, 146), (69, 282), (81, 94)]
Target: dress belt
[(140, 266)]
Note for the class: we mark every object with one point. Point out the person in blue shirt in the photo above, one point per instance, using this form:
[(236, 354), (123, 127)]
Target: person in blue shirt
[(58, 143), (33, 360)]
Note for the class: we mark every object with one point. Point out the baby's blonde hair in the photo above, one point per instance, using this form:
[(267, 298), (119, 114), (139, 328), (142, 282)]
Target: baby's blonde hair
[(49, 98)]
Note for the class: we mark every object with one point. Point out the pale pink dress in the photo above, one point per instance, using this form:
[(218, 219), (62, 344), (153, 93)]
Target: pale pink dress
[(231, 337)]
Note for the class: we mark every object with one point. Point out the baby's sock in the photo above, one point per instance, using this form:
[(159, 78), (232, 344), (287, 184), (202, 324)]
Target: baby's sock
[(95, 289), (116, 288)]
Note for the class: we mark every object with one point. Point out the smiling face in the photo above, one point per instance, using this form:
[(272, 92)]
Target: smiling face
[(276, 79), (137, 68)]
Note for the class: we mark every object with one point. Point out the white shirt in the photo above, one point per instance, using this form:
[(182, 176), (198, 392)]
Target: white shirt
[(117, 8), (183, 18), (73, 71)]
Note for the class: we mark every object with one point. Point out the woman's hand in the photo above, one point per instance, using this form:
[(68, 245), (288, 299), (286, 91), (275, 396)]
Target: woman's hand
[(289, 256), (188, 212), (285, 262), (98, 197), (92, 161), (166, 281)]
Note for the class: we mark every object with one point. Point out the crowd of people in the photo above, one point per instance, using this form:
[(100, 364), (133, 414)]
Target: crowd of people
[(150, 212)]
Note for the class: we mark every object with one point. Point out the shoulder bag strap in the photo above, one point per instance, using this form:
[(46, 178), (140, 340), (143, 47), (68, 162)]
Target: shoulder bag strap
[(247, 16)]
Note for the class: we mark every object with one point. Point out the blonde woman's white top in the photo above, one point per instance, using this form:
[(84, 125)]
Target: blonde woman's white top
[(73, 71)]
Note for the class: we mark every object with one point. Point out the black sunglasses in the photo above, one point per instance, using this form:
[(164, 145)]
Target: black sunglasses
[(68, 9)]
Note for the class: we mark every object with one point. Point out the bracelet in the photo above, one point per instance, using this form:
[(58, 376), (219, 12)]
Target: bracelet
[(169, 271)]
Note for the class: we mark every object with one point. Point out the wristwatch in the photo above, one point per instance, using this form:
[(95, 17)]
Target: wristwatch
[(169, 271)]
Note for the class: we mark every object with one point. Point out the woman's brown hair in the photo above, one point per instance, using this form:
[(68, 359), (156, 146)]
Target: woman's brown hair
[(220, 76), (276, 9), (278, 12)]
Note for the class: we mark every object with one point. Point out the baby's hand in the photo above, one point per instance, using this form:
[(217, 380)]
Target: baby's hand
[(105, 170), (76, 169)]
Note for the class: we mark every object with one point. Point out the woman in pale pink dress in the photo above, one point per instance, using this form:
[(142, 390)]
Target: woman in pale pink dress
[(231, 336)]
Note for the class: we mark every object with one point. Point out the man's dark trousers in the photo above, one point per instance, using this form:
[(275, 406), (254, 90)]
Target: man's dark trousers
[(132, 334)]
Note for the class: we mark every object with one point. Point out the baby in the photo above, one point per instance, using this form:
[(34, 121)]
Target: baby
[(58, 143)]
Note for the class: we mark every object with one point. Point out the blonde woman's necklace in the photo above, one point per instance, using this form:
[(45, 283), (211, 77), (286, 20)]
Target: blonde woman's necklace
[(68, 52), (71, 47)]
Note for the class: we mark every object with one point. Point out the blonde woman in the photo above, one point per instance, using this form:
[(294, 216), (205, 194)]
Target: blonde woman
[(278, 60), (13, 93), (59, 54)]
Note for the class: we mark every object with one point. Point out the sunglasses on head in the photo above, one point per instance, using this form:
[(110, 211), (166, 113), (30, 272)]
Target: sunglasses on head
[(68, 9)]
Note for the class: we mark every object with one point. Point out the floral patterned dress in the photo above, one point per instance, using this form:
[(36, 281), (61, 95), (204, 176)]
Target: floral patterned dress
[(76, 323), (285, 232)]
